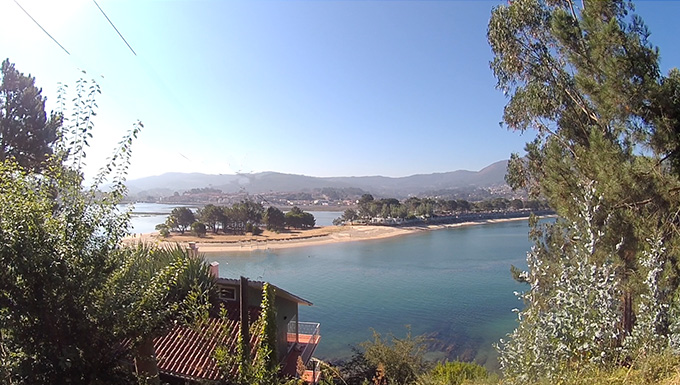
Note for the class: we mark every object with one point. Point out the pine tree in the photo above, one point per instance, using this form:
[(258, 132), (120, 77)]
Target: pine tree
[(26, 133)]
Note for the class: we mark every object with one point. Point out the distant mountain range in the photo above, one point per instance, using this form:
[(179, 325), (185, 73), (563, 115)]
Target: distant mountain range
[(266, 182)]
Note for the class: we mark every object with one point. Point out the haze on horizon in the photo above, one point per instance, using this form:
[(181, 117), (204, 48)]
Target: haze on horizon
[(317, 88)]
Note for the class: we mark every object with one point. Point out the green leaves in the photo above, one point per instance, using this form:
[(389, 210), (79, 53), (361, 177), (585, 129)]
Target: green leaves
[(180, 218), (156, 287), (587, 80), (58, 251), (263, 368), (73, 300), (401, 359)]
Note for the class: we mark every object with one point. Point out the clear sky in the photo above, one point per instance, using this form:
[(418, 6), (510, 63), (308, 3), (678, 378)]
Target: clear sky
[(321, 88)]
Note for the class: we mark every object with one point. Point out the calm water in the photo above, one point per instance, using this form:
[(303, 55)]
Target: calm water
[(453, 285), (145, 216)]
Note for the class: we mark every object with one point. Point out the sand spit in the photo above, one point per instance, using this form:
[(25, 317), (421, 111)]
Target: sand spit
[(213, 244)]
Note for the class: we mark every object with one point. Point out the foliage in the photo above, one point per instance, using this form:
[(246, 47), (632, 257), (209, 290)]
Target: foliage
[(163, 230), (299, 219), (54, 264), (401, 359), (212, 216), (653, 369), (60, 242), (263, 368), (180, 219), (156, 287), (251, 211), (73, 300), (425, 208), (357, 370), (348, 215), (576, 300), (452, 373), (238, 216), (267, 347), (198, 229), (274, 219), (27, 135), (602, 278)]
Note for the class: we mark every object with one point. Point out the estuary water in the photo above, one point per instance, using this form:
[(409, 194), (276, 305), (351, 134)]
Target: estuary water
[(453, 285)]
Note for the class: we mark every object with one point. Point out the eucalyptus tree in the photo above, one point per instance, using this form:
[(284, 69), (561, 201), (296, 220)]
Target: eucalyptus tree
[(586, 79)]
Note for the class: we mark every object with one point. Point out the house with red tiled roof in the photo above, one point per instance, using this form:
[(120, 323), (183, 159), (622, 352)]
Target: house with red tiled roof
[(185, 354)]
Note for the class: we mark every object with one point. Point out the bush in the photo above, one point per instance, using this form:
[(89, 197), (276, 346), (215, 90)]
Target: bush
[(163, 230), (198, 229), (397, 360), (452, 373), (256, 230)]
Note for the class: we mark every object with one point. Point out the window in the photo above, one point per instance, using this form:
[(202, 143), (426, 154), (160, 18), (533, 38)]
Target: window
[(228, 293)]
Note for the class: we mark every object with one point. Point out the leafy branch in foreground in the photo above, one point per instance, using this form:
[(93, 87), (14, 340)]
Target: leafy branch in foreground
[(76, 304)]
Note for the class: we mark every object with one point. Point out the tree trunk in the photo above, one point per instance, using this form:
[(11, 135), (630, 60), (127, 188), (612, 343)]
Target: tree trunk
[(627, 313)]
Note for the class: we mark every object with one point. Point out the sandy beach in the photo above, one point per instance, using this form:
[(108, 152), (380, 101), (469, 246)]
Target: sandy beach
[(211, 243)]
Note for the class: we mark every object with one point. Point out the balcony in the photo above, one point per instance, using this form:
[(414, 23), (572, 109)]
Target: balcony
[(303, 338)]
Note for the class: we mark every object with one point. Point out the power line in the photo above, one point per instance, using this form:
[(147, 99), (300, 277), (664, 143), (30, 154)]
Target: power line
[(43, 29), (114, 27)]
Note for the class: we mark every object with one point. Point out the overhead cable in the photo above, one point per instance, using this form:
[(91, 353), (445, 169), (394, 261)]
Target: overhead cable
[(43, 29), (114, 27)]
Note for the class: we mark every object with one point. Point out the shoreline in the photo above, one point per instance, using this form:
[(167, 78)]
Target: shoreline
[(313, 237)]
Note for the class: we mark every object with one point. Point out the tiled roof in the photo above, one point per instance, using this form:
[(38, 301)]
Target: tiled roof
[(187, 352)]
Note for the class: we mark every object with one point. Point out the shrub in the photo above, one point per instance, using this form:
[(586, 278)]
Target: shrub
[(452, 373), (198, 229), (163, 230), (401, 360)]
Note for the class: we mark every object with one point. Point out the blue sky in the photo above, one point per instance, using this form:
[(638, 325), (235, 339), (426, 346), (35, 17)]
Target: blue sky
[(322, 88)]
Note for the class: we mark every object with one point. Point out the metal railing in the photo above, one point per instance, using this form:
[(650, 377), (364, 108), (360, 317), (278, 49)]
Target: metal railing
[(313, 330), (293, 327)]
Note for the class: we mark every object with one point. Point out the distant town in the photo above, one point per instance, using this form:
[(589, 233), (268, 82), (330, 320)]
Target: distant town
[(330, 199)]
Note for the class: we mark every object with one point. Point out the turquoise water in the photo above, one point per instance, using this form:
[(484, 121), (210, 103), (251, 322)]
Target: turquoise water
[(453, 285)]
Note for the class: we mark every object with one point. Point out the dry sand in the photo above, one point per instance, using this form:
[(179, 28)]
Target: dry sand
[(296, 238)]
